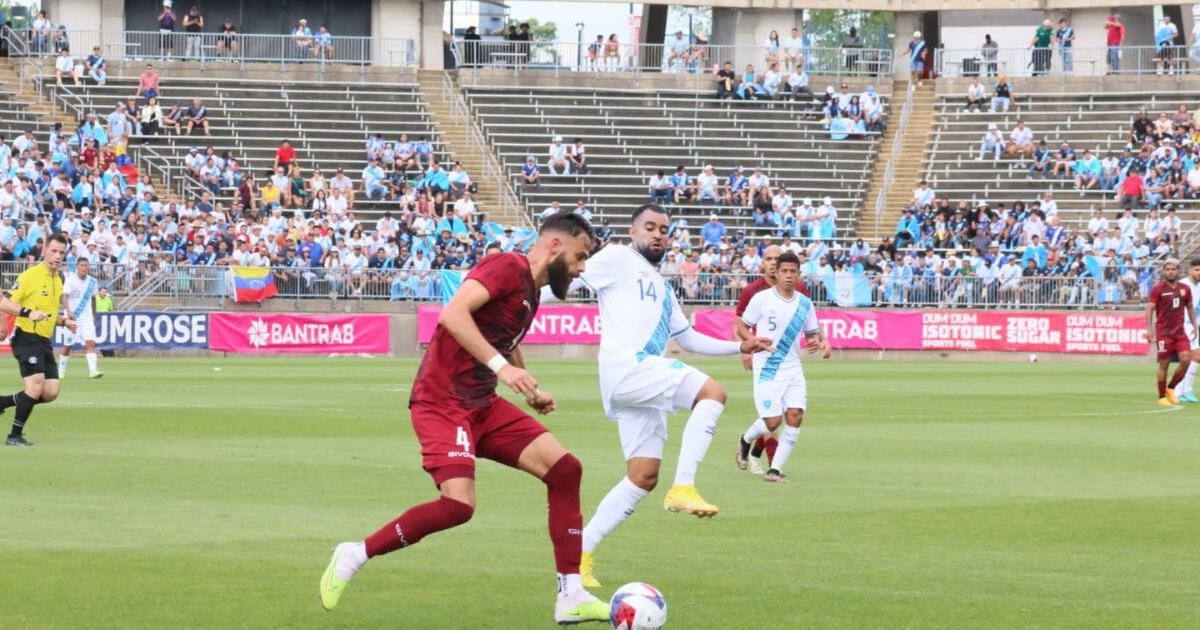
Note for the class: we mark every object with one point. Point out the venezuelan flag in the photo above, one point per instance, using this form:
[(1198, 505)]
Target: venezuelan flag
[(252, 284)]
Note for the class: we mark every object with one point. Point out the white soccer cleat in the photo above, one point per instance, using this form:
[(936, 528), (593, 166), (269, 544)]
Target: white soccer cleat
[(756, 465)]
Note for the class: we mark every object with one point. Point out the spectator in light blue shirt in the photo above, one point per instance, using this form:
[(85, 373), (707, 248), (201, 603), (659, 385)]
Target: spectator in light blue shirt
[(424, 152), (1035, 251), (323, 43), (713, 231), (1087, 172), (372, 178), (436, 180)]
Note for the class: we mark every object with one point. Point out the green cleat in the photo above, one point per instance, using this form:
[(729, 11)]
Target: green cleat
[(331, 586), (579, 608), (96, 374)]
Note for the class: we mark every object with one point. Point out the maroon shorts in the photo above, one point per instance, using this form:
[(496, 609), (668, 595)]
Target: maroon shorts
[(452, 437), (1171, 346)]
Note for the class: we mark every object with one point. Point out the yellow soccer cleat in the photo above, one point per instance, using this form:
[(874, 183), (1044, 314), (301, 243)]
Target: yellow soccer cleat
[(687, 499), (1172, 397), (1164, 402), (331, 587), (587, 566)]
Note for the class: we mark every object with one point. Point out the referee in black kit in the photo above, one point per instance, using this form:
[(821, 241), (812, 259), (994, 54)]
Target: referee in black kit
[(37, 301)]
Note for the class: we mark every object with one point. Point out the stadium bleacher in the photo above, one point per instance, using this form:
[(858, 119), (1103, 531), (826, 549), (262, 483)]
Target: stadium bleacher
[(1099, 121), (632, 134), (326, 123)]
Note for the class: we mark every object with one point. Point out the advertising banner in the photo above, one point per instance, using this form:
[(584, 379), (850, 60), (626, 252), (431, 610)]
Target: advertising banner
[(148, 330), (552, 324), (1096, 333), (876, 330), (271, 333)]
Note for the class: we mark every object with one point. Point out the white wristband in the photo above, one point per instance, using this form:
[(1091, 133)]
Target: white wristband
[(495, 363)]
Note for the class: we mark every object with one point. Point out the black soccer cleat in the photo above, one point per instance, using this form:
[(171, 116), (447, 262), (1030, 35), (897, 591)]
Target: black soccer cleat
[(774, 476), (17, 440)]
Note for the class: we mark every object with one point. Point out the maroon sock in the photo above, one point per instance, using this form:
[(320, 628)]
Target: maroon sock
[(566, 518), (1180, 372), (1162, 388), (771, 444), (418, 522)]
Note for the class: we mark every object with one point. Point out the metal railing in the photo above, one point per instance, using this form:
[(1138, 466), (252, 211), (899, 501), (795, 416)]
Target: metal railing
[(493, 170), (670, 58), (241, 48), (889, 175), (958, 291), (191, 285), (1083, 61)]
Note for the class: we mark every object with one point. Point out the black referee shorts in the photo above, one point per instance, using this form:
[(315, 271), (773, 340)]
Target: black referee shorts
[(34, 354)]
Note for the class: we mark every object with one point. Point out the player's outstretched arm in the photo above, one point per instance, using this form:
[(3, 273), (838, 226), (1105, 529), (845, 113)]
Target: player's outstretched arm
[(699, 343), (456, 319)]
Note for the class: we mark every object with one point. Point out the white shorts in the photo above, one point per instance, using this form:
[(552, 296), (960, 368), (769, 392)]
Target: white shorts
[(786, 391), (640, 404), (85, 330)]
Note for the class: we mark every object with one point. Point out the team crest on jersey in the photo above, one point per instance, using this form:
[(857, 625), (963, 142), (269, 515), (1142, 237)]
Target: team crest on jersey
[(33, 360), (767, 404)]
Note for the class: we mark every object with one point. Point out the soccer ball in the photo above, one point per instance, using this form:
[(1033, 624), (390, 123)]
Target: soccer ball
[(1033, 358), (637, 606)]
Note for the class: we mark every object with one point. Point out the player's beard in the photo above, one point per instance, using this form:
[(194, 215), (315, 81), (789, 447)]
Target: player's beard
[(650, 255), (560, 277)]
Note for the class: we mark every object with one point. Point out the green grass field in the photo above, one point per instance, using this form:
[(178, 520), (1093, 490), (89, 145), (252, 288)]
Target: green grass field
[(926, 495)]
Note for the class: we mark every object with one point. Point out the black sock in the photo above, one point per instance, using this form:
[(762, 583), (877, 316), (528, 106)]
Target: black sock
[(9, 401), (757, 452), (744, 445), (24, 406)]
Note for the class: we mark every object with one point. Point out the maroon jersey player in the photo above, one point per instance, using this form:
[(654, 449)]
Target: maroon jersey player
[(1169, 302), (457, 415)]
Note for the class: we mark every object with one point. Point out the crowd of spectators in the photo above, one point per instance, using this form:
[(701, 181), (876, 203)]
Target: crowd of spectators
[(192, 30)]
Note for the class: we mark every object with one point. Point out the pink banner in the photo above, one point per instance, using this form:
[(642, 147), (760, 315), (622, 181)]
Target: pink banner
[(271, 333), (967, 330), (876, 330), (552, 324)]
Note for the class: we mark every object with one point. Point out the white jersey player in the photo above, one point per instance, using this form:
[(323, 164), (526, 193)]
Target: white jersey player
[(80, 289), (639, 314), (783, 315), (1187, 393)]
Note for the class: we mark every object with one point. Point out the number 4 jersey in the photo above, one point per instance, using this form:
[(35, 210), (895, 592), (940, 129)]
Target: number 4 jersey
[(449, 375), (784, 322)]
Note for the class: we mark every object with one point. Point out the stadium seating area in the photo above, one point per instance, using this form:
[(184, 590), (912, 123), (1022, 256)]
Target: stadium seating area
[(630, 135), (327, 124), (1097, 121)]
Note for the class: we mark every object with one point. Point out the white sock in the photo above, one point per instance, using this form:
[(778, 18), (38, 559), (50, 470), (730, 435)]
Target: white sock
[(697, 435), (91, 361), (353, 557), (569, 584), (756, 430), (614, 508), (62, 365), (787, 442)]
